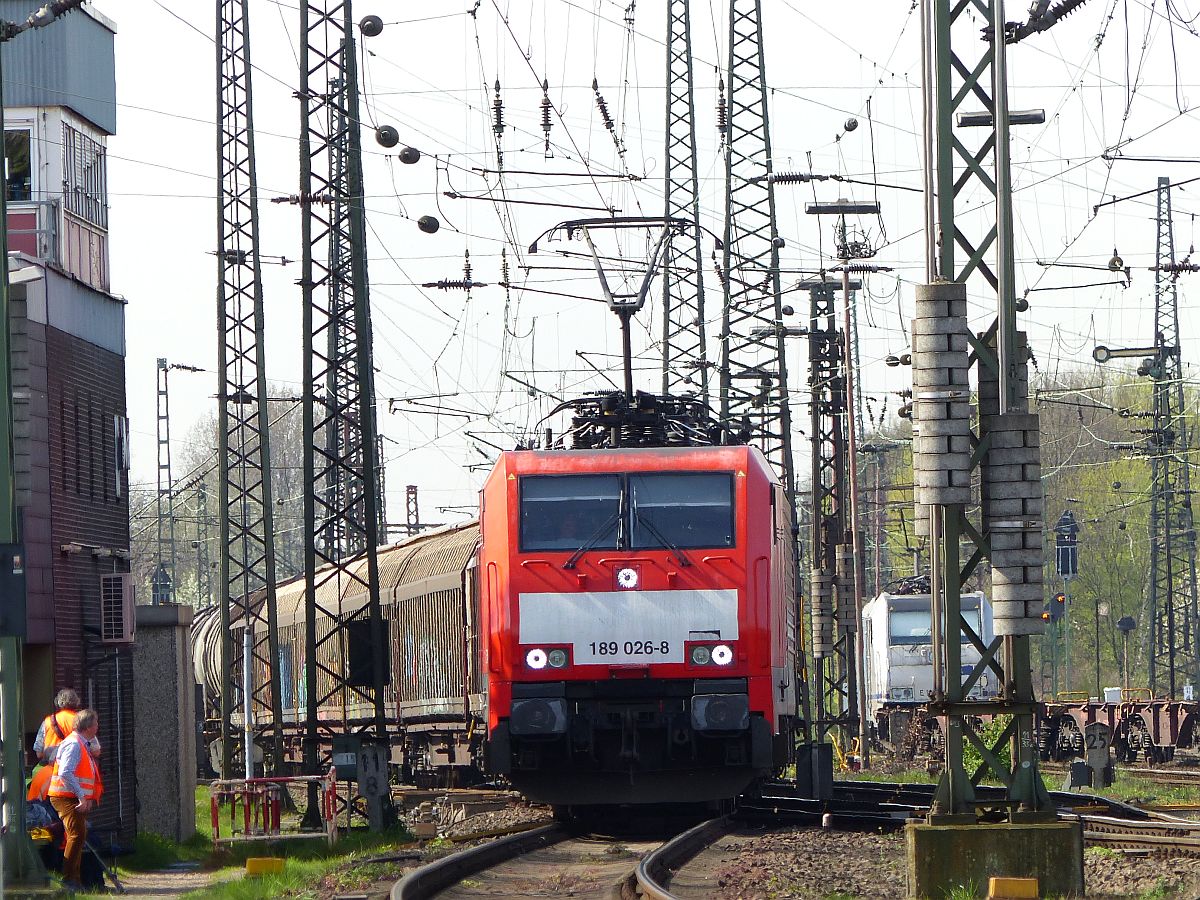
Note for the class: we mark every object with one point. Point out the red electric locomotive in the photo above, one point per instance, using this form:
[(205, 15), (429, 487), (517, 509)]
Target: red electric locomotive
[(638, 624)]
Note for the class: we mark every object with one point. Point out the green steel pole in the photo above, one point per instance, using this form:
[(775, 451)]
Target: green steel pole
[(21, 864)]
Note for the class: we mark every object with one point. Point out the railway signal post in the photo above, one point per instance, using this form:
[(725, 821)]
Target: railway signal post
[(974, 255)]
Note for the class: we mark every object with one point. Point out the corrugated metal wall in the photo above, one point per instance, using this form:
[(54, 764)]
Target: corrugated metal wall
[(70, 64)]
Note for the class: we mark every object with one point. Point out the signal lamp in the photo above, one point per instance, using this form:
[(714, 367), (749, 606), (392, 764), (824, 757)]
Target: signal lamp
[(701, 655), (557, 658), (536, 658), (722, 654)]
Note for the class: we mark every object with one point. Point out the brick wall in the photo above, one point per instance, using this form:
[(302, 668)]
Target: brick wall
[(89, 505)]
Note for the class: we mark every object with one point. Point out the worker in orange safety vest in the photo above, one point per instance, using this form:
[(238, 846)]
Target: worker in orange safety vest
[(58, 726), (74, 790)]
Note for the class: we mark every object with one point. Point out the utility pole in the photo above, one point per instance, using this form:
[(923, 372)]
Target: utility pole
[(1171, 609), (163, 582), (1173, 592), (203, 566), (412, 510), (754, 391), (754, 398), (850, 552), (341, 474), (832, 604), (960, 74), (247, 533), (685, 355)]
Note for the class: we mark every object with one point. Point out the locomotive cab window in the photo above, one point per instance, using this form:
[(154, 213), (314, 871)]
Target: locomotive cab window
[(911, 626), (680, 509), (565, 512), (647, 511)]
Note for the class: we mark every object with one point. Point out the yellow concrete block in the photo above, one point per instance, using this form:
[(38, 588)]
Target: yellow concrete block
[(264, 865), (1012, 889)]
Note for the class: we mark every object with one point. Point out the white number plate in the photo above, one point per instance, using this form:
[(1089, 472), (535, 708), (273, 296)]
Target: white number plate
[(626, 627)]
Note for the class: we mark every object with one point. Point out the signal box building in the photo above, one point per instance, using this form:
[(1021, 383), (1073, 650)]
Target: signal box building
[(68, 374)]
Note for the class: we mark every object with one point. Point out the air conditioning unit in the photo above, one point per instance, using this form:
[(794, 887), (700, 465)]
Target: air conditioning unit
[(116, 608)]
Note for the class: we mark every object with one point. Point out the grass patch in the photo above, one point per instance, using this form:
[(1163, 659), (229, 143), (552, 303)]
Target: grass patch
[(339, 871), (309, 865), (1160, 891)]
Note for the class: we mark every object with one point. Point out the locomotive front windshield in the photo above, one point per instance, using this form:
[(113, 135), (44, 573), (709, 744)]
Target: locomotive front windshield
[(912, 626), (565, 512), (643, 511), (680, 510)]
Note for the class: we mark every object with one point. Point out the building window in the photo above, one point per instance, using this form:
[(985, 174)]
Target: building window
[(18, 169), (121, 451), (85, 177)]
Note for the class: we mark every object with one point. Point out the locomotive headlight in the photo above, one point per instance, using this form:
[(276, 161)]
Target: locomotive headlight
[(627, 578), (536, 658), (722, 654), (557, 658), (701, 655)]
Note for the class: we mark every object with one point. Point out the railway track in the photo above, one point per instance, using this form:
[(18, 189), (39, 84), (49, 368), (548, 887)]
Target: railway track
[(552, 859), (1173, 837), (1174, 777)]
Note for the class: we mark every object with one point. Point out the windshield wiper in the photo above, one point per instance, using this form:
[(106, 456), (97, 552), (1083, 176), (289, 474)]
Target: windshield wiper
[(593, 540), (660, 537)]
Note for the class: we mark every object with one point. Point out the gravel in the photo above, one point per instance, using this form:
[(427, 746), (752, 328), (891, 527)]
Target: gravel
[(752, 864)]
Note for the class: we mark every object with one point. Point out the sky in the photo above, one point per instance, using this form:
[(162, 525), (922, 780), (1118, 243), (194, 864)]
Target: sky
[(1116, 77)]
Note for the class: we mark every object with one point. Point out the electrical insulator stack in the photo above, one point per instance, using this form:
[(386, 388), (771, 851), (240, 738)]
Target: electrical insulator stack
[(822, 614), (941, 400), (846, 619), (1012, 503)]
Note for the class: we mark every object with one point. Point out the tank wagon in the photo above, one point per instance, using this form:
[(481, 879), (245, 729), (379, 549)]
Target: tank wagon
[(435, 696), (622, 631)]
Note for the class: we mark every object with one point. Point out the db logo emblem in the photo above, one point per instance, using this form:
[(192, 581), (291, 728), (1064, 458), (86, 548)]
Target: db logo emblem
[(627, 579)]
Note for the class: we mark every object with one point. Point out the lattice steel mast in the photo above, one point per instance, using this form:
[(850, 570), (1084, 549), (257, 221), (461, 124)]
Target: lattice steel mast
[(163, 582), (831, 603), (754, 393), (963, 73), (247, 545), (1172, 601), (685, 355), (341, 523)]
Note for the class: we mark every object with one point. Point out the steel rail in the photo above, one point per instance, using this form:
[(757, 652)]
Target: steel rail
[(1178, 836), (654, 871), (440, 874)]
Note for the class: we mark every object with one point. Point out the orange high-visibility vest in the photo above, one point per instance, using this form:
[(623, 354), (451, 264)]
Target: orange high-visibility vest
[(40, 783), (57, 728), (87, 772)]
